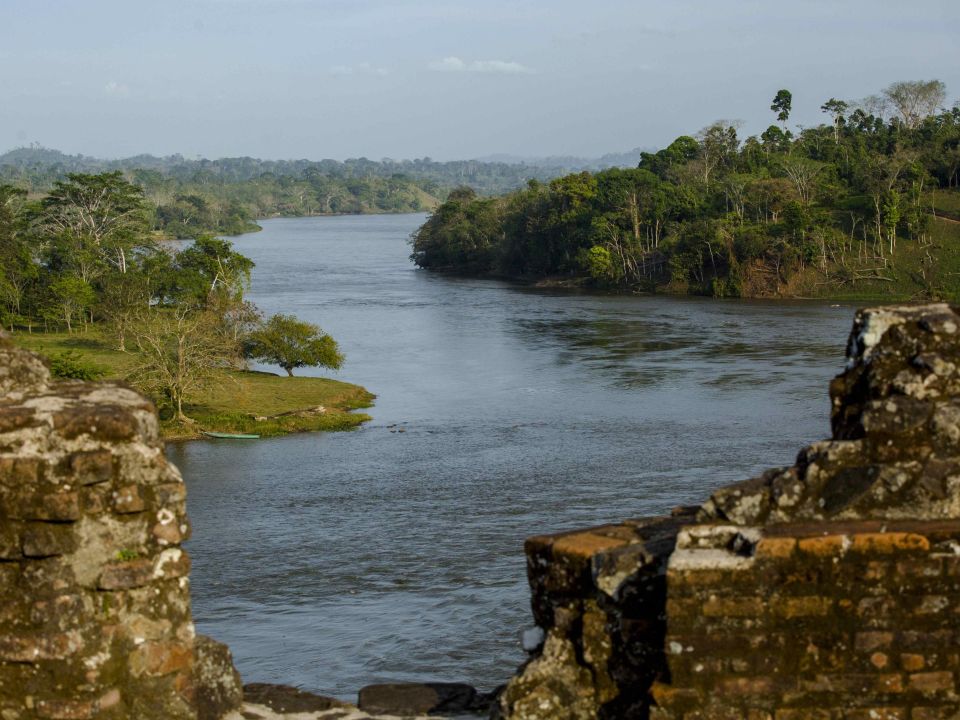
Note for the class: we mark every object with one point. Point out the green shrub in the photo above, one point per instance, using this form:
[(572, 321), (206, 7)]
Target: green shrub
[(70, 365)]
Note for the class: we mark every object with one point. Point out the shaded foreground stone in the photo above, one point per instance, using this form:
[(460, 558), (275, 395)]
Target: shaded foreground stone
[(423, 698), (95, 615), (829, 589)]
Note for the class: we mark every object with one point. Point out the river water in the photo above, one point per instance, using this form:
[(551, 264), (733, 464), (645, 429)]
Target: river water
[(335, 560)]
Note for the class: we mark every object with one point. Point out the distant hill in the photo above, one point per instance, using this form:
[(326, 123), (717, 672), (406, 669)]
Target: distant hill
[(36, 168), (570, 163)]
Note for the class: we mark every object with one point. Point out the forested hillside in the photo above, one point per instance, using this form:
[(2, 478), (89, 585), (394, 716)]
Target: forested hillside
[(865, 204), (186, 198), (226, 196)]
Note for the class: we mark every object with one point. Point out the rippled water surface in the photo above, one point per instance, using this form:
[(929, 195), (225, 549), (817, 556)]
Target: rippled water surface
[(331, 561)]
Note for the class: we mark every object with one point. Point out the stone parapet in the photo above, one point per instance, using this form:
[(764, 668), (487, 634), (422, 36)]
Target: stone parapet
[(94, 593)]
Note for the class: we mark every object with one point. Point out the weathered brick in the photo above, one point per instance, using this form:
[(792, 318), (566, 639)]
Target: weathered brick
[(877, 713), (674, 698), (803, 714), (91, 467), (825, 546), (794, 607), (932, 682), (889, 542), (66, 709), (777, 548), (44, 502), (160, 658), (928, 567), (41, 539), (855, 683), (940, 712), (167, 533), (745, 686), (128, 499), (10, 542), (585, 545), (34, 647), (932, 604), (867, 641), (911, 662), (19, 471), (733, 607), (129, 574), (875, 570)]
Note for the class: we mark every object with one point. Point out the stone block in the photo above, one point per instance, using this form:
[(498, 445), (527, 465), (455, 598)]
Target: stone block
[(91, 467), (288, 699), (777, 548), (417, 698), (41, 539), (217, 686), (66, 709), (733, 607), (825, 545), (798, 607), (161, 658), (911, 662), (891, 542), (126, 574), (932, 682), (128, 499), (868, 641)]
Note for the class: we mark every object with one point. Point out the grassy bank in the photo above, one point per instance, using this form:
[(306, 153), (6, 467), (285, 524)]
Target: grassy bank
[(243, 402), (917, 272)]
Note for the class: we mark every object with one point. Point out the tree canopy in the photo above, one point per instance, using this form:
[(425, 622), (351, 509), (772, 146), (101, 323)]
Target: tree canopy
[(828, 207), (291, 343)]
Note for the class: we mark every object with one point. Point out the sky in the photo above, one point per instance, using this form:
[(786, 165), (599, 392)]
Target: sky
[(446, 79)]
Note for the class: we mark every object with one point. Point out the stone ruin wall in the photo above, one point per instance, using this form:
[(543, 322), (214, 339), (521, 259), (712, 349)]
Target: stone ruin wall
[(94, 595), (829, 590)]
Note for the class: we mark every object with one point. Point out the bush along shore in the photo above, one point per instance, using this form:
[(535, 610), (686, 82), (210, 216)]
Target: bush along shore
[(238, 401), (865, 205)]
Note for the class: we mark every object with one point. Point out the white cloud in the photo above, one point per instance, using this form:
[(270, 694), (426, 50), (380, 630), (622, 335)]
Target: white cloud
[(503, 67), (115, 88)]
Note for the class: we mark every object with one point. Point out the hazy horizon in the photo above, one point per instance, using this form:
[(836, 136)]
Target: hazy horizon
[(284, 79)]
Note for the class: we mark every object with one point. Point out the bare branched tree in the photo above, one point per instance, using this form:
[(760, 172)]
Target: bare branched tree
[(181, 351), (916, 100)]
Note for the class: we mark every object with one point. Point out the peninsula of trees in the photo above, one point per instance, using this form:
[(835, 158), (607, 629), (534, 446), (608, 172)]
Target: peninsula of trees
[(865, 204), (84, 279)]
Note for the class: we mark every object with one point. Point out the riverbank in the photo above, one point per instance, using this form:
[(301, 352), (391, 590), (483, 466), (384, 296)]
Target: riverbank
[(251, 402), (920, 272)]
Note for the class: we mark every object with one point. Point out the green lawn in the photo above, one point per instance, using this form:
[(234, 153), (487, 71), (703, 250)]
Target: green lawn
[(235, 403)]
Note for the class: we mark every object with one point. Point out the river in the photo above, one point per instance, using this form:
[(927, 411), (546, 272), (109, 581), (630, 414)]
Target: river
[(335, 560)]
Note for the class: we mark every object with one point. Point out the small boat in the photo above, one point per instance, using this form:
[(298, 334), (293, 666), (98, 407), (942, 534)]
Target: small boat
[(230, 436)]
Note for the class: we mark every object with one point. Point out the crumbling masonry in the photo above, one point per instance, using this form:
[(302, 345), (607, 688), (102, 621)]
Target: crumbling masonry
[(94, 596), (827, 590)]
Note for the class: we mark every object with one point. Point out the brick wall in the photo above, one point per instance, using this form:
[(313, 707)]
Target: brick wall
[(826, 590)]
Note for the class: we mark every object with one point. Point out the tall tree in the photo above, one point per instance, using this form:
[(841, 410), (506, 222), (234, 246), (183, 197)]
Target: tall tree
[(96, 219), (781, 105), (836, 109)]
